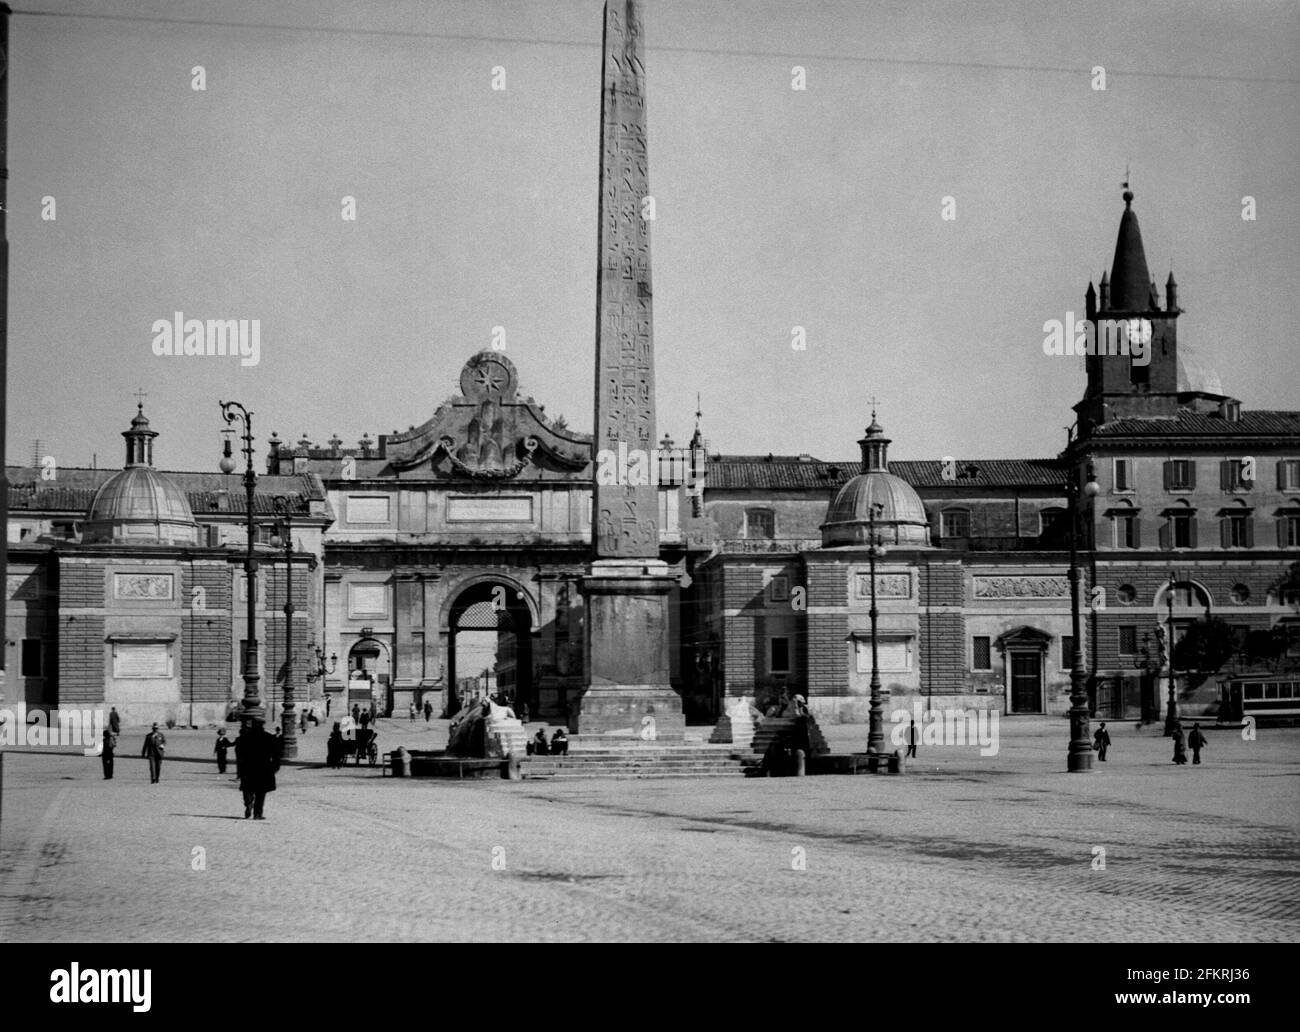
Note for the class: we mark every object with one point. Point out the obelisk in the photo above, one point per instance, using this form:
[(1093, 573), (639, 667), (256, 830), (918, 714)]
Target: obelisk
[(627, 586)]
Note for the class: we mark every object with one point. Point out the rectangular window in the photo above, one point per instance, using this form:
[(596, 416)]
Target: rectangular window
[(1182, 531), (31, 661), (1180, 475), (760, 524), (1128, 640), (1126, 532), (1236, 532), (1067, 652), (1288, 531), (1230, 476), (1123, 475), (1288, 475), (955, 524), (780, 656), (981, 655), (778, 589)]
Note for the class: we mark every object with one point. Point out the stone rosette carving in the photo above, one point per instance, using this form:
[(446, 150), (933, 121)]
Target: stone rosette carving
[(1021, 587)]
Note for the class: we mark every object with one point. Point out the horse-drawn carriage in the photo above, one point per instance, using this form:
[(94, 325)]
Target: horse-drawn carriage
[(356, 742)]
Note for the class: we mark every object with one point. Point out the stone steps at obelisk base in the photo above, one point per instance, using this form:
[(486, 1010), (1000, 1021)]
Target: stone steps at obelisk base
[(639, 761)]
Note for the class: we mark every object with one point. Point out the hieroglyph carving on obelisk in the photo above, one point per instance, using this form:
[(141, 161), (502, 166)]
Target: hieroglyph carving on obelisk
[(625, 513)]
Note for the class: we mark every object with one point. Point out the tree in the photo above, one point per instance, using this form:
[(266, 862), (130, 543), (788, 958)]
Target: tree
[(1265, 648), (1208, 644)]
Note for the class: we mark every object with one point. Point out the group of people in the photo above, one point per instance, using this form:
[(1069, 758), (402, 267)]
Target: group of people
[(1195, 740), (557, 746), (415, 710)]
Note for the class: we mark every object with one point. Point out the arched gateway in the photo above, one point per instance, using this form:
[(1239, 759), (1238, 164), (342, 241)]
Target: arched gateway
[(490, 628)]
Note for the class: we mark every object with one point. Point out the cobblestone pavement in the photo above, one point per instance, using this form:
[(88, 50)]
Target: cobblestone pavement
[(962, 847)]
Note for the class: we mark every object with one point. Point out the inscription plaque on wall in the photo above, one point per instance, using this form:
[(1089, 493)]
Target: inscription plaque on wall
[(1022, 587), (152, 660), (489, 509), (888, 585), (363, 509), (367, 599), (153, 586)]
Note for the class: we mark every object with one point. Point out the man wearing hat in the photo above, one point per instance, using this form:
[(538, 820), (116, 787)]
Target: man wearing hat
[(259, 759), (155, 744)]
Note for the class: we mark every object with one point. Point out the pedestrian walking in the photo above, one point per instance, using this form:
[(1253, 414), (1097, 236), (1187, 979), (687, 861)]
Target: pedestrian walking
[(114, 721), (302, 722), (1196, 742), (356, 713), (110, 750), (912, 738), (155, 744), (428, 710), (259, 758), (328, 702), (365, 719), (1180, 746), (222, 747), (374, 715), (411, 709), (1101, 741)]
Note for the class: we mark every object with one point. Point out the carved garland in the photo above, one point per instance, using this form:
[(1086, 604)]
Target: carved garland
[(505, 473)]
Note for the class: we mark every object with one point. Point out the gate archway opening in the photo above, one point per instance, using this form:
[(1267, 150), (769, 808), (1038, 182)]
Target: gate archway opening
[(490, 647)]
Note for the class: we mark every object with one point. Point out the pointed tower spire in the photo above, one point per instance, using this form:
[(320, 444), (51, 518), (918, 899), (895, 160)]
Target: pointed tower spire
[(1130, 282), (1171, 293)]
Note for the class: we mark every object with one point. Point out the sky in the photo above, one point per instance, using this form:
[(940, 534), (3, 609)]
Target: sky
[(775, 208)]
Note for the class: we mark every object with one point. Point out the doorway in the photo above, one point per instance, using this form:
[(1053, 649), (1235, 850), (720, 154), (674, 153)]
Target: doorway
[(1026, 681)]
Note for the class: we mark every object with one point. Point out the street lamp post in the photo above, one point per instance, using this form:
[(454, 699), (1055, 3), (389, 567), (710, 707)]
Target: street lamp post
[(1171, 707), (876, 727), (1079, 758), (288, 719), (232, 411)]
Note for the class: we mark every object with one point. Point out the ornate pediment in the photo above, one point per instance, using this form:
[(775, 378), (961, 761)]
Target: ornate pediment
[(1022, 637), (489, 432)]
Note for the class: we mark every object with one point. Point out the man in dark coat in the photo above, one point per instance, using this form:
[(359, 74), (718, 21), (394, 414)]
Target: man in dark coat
[(259, 759), (114, 721), (1180, 748), (912, 738), (428, 710), (155, 744), (1196, 742), (106, 757), (1101, 741)]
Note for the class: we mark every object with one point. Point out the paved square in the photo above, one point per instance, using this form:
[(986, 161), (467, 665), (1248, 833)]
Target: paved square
[(962, 847)]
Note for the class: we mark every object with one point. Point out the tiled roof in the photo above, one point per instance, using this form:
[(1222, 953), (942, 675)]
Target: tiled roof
[(1265, 423), (985, 473), (74, 489), (790, 474)]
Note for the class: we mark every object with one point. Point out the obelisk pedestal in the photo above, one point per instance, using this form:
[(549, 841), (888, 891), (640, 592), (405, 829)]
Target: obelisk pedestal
[(627, 587), (628, 640)]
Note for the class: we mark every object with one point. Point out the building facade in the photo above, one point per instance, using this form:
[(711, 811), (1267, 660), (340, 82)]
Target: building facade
[(476, 526)]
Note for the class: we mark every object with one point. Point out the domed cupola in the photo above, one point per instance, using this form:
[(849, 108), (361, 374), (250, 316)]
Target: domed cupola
[(900, 518), (140, 504)]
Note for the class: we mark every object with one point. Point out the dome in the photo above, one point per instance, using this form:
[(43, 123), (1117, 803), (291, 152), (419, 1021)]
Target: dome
[(901, 518), (140, 503), (1195, 375)]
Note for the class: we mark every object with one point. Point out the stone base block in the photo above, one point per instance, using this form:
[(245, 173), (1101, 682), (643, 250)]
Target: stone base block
[(640, 712)]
